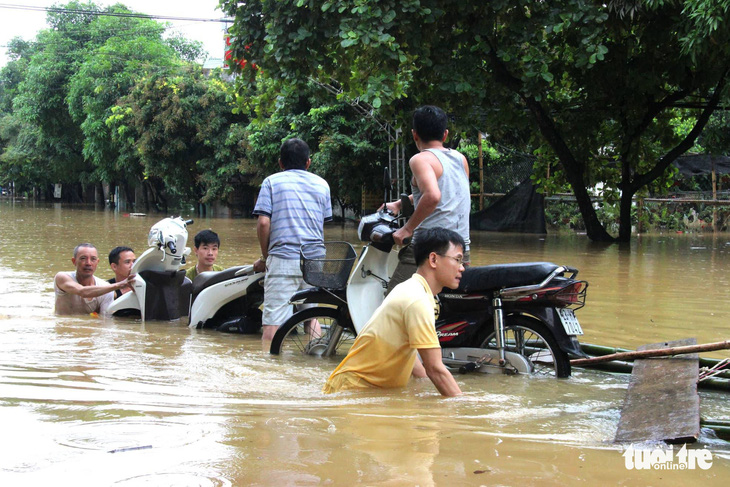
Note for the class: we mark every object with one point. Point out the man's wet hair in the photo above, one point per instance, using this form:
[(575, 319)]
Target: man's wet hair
[(435, 240), (81, 246), (116, 253), (429, 122), (206, 237), (294, 154)]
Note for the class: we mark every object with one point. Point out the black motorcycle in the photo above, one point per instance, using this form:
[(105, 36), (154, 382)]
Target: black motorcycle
[(508, 318)]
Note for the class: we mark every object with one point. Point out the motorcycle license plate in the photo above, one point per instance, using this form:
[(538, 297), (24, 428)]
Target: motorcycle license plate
[(569, 321)]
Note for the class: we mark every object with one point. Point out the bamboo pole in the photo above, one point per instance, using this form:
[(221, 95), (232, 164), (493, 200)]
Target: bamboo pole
[(661, 352), (721, 428), (481, 173), (714, 195), (688, 200), (592, 349), (640, 214)]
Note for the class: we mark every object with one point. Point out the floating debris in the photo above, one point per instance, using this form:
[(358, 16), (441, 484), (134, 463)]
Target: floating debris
[(131, 448)]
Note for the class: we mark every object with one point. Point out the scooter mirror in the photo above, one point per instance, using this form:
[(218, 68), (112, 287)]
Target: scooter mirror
[(406, 206), (387, 184)]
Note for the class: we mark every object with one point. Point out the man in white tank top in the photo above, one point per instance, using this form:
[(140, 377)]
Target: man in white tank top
[(440, 184), (80, 292)]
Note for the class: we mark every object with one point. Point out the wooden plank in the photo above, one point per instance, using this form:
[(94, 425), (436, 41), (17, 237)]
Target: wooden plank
[(661, 402)]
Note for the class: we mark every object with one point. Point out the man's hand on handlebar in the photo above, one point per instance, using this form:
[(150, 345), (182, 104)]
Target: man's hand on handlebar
[(128, 282), (402, 234), (260, 265), (393, 207)]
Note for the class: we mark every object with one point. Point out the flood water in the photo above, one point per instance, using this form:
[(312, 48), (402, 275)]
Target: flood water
[(120, 402)]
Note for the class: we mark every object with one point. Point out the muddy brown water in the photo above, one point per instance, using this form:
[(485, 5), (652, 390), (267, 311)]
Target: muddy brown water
[(118, 402)]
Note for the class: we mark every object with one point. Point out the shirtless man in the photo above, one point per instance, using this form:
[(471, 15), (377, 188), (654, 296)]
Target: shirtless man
[(79, 291)]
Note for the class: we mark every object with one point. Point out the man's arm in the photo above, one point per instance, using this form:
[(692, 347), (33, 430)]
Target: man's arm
[(418, 370), (68, 285), (263, 232), (438, 373), (427, 182)]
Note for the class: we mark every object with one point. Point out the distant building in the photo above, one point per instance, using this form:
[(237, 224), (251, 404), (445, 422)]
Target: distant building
[(213, 63)]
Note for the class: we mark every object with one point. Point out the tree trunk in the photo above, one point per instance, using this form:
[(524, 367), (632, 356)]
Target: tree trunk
[(99, 194), (76, 192), (594, 228), (624, 225), (129, 192), (574, 171), (146, 197)]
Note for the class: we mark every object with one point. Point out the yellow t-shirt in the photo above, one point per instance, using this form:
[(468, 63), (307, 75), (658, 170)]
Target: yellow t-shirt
[(192, 272), (384, 352)]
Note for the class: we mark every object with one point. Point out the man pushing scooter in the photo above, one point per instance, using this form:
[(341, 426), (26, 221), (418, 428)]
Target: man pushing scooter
[(385, 352)]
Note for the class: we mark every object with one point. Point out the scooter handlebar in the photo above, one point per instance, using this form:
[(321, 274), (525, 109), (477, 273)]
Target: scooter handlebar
[(171, 245), (189, 222)]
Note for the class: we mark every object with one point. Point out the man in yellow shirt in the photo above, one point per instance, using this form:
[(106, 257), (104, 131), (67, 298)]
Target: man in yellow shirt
[(207, 244), (404, 326)]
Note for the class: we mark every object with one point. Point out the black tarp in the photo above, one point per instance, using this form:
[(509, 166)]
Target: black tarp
[(521, 210), (701, 164)]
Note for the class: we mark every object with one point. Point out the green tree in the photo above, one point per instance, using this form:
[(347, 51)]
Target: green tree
[(20, 161), (16, 156), (126, 49), (597, 83), (183, 130), (348, 149), (61, 89), (40, 101), (13, 73)]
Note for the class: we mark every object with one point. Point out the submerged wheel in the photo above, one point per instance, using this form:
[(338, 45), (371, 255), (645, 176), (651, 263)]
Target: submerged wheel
[(313, 331), (536, 343)]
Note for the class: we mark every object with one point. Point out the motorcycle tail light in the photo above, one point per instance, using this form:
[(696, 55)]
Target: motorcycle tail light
[(572, 295)]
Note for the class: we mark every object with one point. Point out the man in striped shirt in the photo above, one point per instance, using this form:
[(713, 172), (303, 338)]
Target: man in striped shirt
[(292, 207)]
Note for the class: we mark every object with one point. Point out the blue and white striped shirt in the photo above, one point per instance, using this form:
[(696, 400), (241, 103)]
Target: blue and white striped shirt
[(298, 203)]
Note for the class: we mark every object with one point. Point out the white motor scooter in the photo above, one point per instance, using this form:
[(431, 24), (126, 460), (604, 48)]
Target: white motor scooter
[(228, 300), (161, 290)]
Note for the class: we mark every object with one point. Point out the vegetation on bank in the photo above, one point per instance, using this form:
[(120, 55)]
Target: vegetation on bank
[(591, 88), (105, 99)]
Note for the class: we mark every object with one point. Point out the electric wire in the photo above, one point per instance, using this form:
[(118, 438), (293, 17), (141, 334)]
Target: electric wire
[(110, 14)]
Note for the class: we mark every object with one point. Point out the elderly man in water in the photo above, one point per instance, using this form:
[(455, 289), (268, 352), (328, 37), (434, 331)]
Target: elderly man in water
[(79, 291)]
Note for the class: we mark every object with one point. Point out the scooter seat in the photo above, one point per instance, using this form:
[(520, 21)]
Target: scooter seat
[(498, 276), (207, 279)]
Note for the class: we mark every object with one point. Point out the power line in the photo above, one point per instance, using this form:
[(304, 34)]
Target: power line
[(110, 14)]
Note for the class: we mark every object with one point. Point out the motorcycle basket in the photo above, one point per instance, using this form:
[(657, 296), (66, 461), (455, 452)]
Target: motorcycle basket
[(327, 264)]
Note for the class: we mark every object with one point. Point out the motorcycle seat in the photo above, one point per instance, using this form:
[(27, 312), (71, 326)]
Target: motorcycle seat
[(207, 279), (499, 276)]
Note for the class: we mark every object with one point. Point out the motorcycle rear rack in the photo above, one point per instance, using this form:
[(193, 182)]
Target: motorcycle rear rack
[(512, 293)]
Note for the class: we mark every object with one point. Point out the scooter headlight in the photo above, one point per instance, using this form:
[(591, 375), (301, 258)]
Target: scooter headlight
[(366, 226)]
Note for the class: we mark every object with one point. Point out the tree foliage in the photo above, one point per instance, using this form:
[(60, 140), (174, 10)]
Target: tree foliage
[(99, 98), (597, 84), (184, 132), (131, 49), (349, 150)]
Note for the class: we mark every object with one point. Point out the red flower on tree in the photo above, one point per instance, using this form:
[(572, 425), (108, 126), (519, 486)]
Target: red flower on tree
[(241, 62)]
